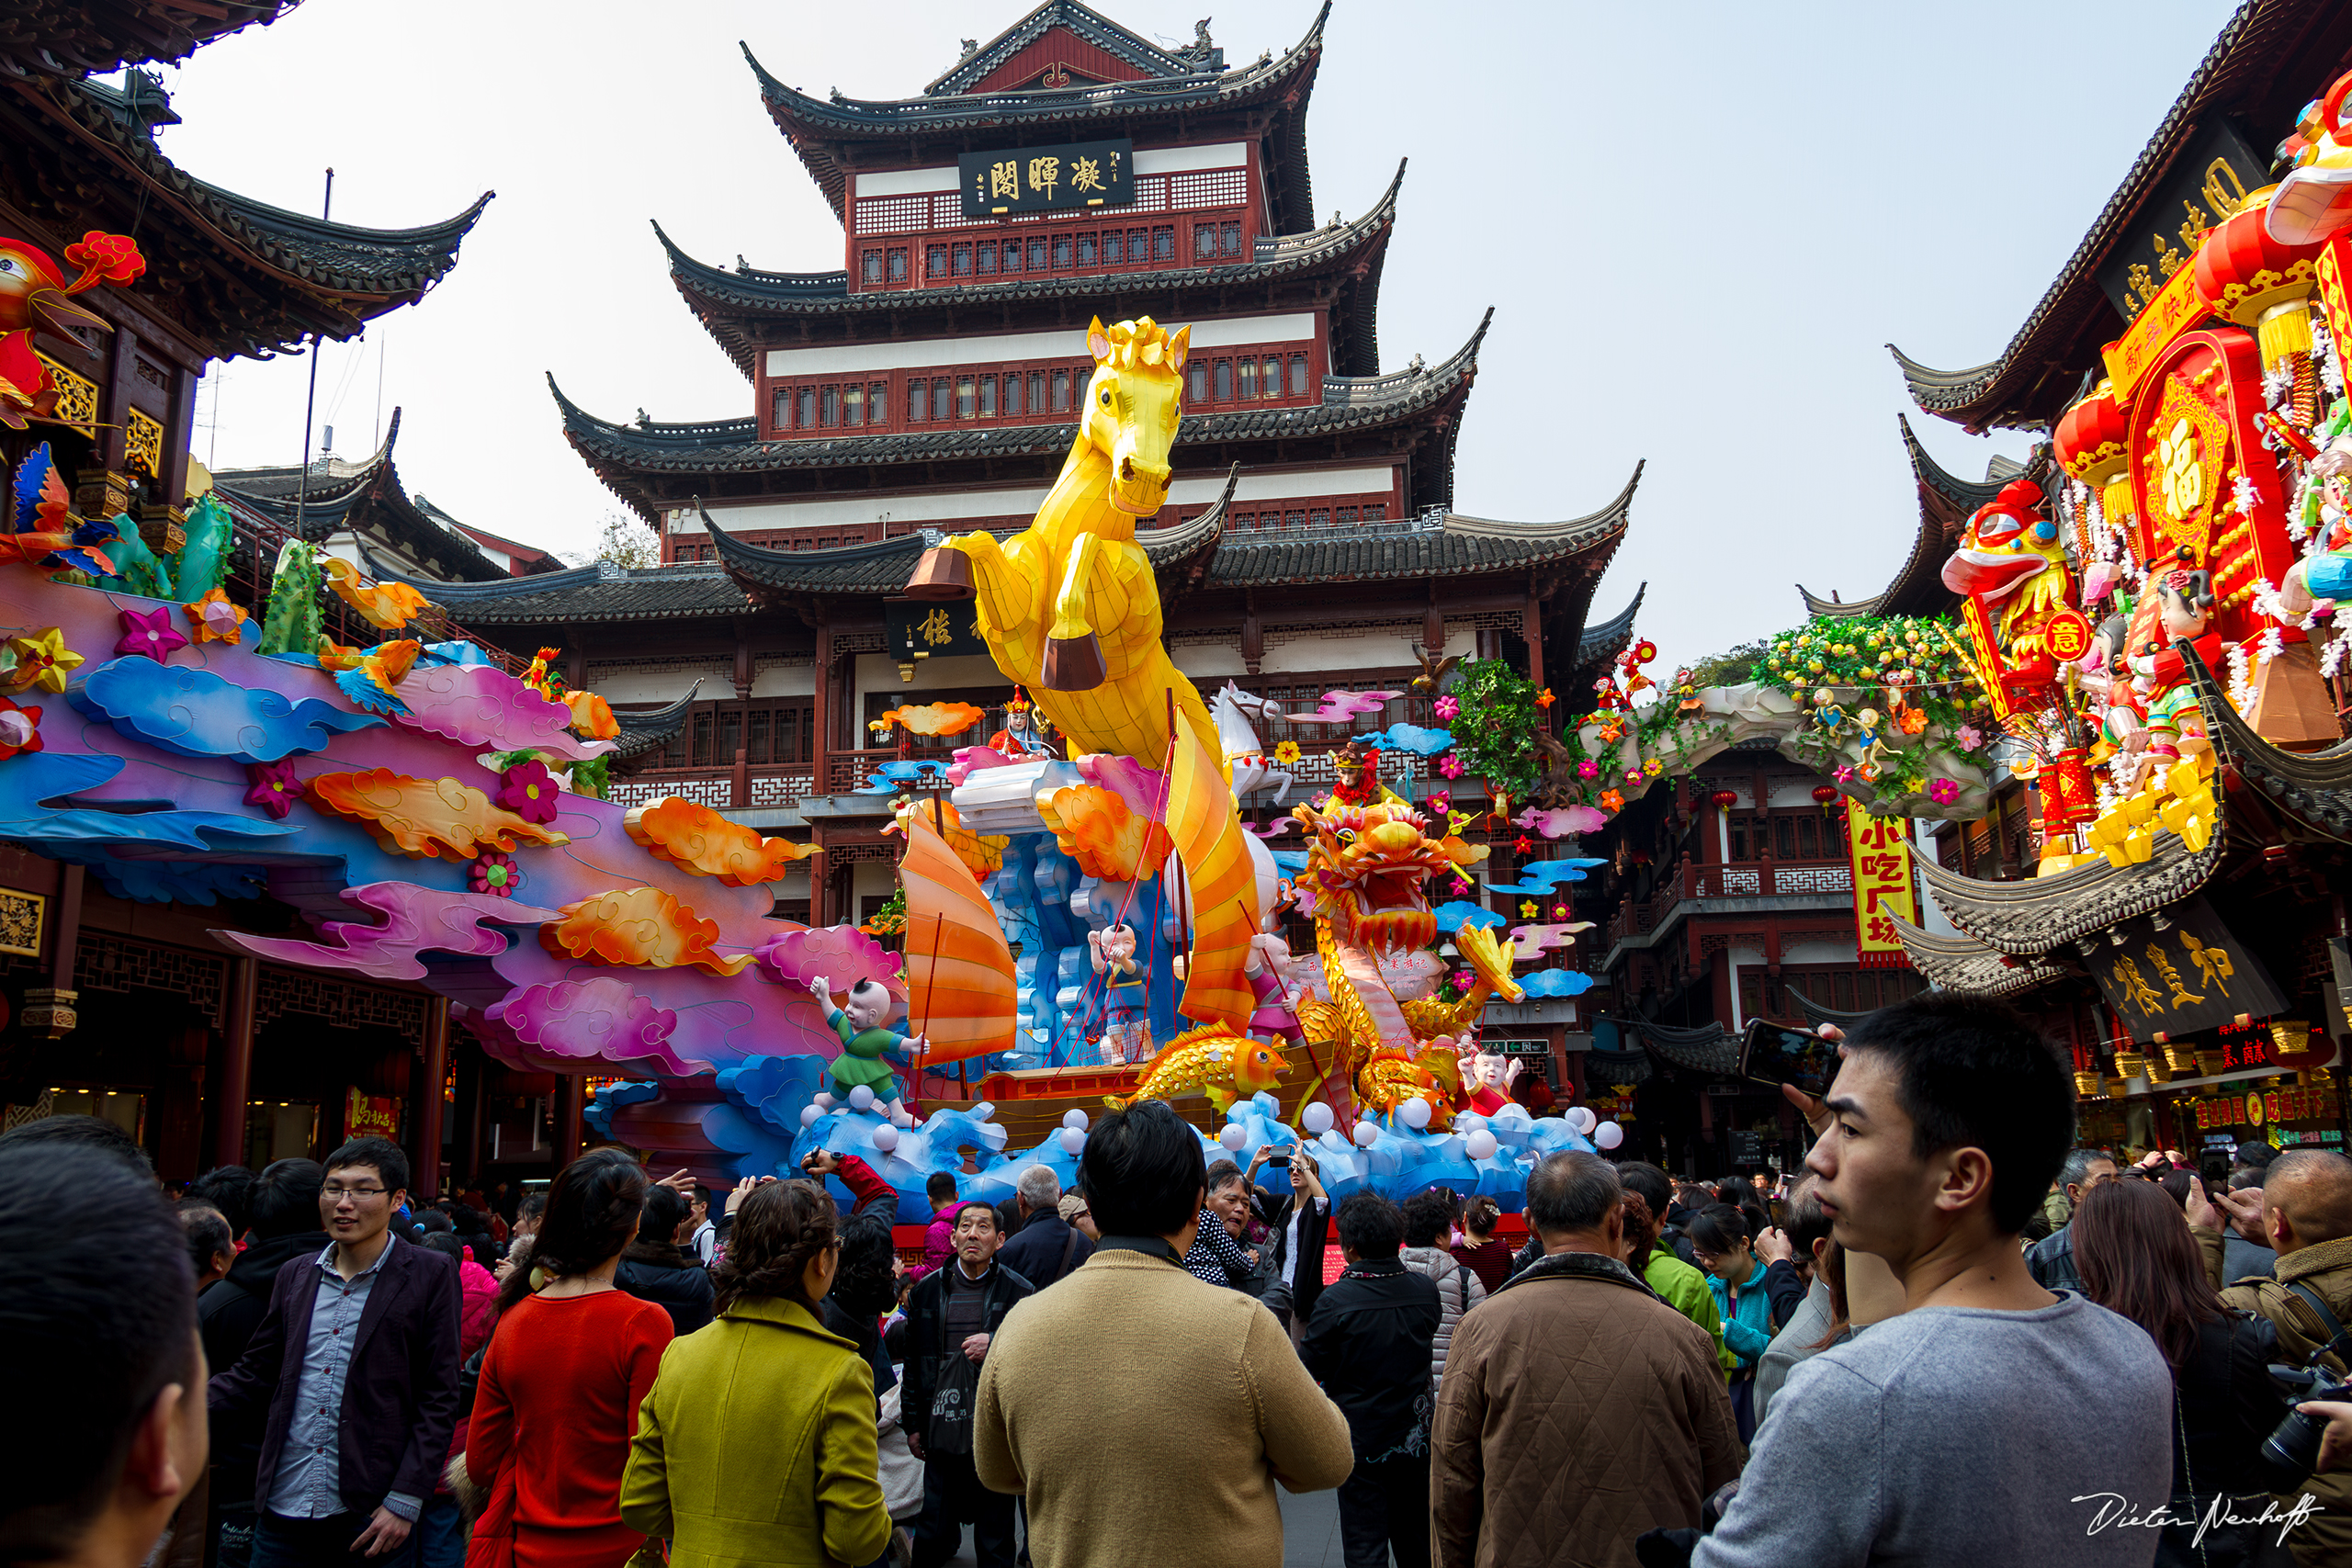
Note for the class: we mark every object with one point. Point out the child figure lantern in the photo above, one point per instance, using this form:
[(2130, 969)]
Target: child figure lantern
[(866, 1039), (1126, 1034)]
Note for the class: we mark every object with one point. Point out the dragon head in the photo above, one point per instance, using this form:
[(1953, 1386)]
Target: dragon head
[(1365, 865), (2008, 542)]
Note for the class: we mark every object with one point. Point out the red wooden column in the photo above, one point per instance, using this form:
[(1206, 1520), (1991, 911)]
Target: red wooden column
[(425, 1160), (570, 1116), (820, 727), (1531, 626), (231, 1083)]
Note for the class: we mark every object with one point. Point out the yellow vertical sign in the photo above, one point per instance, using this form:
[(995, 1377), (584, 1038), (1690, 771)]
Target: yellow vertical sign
[(1879, 849)]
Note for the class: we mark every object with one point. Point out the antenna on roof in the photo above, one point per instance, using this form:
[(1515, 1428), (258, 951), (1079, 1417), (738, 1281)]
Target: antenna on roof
[(310, 401)]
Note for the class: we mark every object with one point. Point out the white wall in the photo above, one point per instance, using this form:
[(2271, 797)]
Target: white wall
[(922, 354), (1816, 952)]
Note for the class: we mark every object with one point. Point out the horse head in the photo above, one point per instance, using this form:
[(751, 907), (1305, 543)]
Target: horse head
[(1133, 405)]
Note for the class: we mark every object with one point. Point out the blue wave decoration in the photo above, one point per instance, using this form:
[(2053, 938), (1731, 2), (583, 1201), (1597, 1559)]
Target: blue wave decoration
[(1461, 912), (1540, 877), (1411, 738), (194, 713), (1556, 983), (28, 779)]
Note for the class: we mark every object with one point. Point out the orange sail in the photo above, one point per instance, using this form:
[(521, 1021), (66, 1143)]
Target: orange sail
[(1223, 884), (959, 971)]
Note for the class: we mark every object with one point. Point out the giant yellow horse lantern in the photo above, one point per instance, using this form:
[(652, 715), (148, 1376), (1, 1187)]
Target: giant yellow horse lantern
[(1069, 605)]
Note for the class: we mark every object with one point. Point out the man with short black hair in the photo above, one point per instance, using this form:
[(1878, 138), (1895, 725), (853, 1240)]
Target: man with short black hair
[(1954, 1430), (2050, 1260), (1806, 1239), (352, 1377), (230, 1189), (1369, 1345), (97, 1309), (953, 1314), (702, 1236), (1575, 1370), (86, 1131), (1146, 1414)]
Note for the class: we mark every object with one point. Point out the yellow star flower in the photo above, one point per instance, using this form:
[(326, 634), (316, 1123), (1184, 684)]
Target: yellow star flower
[(43, 660)]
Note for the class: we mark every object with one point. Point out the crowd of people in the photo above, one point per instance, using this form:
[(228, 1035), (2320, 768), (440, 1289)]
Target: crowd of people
[(1953, 1338)]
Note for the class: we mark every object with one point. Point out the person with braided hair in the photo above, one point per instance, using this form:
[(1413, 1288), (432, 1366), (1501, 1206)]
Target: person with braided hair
[(757, 1442), (569, 1365)]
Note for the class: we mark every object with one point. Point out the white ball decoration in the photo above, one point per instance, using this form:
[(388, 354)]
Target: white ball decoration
[(1074, 1119), (1415, 1113), (861, 1098), (809, 1115), (1234, 1136), (1469, 1121), (1481, 1144), (884, 1139), (1316, 1119), (1608, 1136), (1073, 1140), (1366, 1134), (1582, 1119)]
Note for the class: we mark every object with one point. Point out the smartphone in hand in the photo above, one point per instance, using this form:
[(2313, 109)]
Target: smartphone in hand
[(1769, 1054)]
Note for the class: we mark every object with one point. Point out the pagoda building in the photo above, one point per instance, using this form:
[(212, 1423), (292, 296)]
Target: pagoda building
[(1066, 171), (114, 1000)]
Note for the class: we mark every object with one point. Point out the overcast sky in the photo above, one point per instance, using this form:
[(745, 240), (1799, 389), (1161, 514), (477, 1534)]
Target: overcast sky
[(1699, 226)]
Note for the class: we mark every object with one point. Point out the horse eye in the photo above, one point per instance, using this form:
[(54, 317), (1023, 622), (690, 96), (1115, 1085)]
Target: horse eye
[(1106, 397)]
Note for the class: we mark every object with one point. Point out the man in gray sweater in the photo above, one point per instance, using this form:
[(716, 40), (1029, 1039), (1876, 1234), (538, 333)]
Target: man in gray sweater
[(1955, 1432)]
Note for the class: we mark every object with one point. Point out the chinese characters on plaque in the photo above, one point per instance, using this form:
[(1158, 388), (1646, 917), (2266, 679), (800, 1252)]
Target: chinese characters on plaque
[(938, 630), (2187, 975), (1879, 849), (1036, 179)]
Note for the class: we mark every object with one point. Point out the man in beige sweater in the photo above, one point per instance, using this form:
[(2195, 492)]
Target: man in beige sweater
[(1147, 1416)]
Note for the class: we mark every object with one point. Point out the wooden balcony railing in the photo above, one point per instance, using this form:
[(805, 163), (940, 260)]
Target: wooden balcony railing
[(1748, 879), (719, 789)]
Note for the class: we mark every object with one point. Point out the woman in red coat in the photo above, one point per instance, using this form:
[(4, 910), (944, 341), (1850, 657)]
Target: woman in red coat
[(569, 1365)]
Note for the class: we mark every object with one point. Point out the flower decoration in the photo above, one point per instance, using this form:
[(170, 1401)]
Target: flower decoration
[(1460, 888), (1868, 771), (1523, 846), (1913, 720), (1654, 767), (1529, 909), (493, 873), (1968, 736), (20, 728), (1588, 769), (149, 632), (1286, 753), (1612, 801), (1449, 765), (274, 787), (1612, 733), (1559, 912), (1442, 801), (1943, 791), (1633, 776), (1845, 774), (1447, 707), (528, 790), (1543, 699), (213, 619), (43, 660)]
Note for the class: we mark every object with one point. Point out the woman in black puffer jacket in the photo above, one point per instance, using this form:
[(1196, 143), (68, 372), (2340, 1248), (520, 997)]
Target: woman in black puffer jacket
[(655, 1269), (2137, 1258)]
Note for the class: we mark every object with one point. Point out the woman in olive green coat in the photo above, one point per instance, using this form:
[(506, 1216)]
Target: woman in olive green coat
[(756, 1445)]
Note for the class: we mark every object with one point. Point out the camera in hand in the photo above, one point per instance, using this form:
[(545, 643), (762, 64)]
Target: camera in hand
[(2291, 1451), (1769, 1054), (1280, 1162)]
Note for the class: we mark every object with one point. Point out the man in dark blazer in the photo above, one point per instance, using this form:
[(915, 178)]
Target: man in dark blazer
[(1301, 1221), (352, 1377)]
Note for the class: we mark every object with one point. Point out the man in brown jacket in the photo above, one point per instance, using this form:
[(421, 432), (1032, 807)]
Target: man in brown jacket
[(1147, 1416), (1577, 1409), (2304, 1208)]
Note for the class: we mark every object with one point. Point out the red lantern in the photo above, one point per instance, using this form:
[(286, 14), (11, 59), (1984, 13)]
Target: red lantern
[(2092, 442), (1723, 799), (1822, 794), (2252, 280)]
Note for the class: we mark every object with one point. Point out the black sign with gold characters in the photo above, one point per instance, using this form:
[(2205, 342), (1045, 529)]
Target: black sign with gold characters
[(2180, 971), (934, 627), (2208, 184), (1036, 179)]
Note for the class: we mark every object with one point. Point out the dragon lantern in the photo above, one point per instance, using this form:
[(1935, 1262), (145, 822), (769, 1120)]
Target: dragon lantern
[(1388, 1040)]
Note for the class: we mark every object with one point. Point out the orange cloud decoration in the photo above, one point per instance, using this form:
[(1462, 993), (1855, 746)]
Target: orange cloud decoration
[(708, 844), (936, 718), (1095, 828), (592, 716), (640, 926), (390, 605), (426, 817)]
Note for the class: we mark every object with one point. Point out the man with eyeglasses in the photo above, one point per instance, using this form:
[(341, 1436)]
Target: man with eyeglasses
[(2050, 1260), (352, 1377)]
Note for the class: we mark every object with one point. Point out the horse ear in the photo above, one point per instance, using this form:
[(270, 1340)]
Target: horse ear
[(1179, 347), (1098, 342)]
